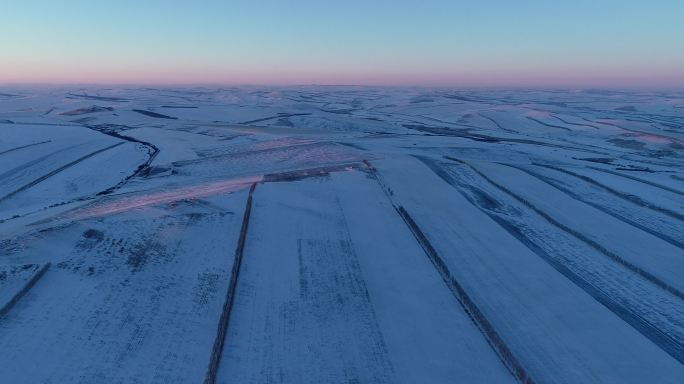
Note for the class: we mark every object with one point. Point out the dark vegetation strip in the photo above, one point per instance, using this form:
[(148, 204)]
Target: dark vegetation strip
[(278, 116), (154, 114), (101, 98), (85, 111), (666, 188), (663, 340), (24, 146), (575, 124), (601, 208), (37, 123), (611, 255), (58, 170), (222, 328), (625, 196), (547, 124), (483, 324), (463, 133), (24, 290), (466, 134)]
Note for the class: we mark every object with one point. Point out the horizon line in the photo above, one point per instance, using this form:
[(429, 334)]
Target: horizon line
[(565, 87)]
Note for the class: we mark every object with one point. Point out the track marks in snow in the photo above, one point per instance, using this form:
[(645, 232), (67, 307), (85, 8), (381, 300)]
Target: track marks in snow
[(655, 226), (625, 196), (56, 171), (512, 287), (640, 180), (24, 146), (657, 315), (639, 269)]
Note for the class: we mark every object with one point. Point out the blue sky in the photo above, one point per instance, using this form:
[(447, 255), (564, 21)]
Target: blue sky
[(431, 42)]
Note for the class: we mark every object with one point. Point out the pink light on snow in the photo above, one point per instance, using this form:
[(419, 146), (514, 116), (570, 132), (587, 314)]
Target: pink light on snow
[(127, 203), (655, 139)]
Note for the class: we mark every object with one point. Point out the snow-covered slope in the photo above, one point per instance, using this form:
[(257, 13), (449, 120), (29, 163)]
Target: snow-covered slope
[(341, 235)]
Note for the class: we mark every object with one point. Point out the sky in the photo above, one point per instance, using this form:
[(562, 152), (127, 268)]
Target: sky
[(490, 43)]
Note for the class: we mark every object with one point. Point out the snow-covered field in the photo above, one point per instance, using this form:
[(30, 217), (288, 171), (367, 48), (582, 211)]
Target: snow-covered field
[(341, 235)]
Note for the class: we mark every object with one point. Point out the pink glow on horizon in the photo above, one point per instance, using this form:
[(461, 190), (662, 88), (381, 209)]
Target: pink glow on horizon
[(195, 73)]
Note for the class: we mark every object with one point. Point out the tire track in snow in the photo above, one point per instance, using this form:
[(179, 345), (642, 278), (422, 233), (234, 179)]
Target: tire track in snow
[(23, 167), (613, 256), (58, 170), (641, 324), (652, 184), (483, 324), (24, 146), (217, 349), (625, 196), (601, 208)]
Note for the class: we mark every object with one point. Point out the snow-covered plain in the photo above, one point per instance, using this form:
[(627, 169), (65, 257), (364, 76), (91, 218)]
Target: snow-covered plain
[(341, 235)]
